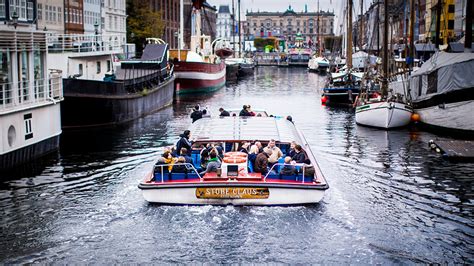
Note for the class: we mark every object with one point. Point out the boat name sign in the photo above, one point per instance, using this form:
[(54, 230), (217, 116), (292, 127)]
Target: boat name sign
[(232, 193)]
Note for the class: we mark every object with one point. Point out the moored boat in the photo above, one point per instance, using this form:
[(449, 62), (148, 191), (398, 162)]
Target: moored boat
[(114, 94), (342, 88), (236, 182), (318, 64)]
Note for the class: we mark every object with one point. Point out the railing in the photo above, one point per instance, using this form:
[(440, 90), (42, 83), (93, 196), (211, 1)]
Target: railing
[(297, 167), (162, 172), (80, 43), (29, 92)]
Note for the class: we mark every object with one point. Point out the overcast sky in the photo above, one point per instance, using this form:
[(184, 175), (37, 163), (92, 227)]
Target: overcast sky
[(296, 5)]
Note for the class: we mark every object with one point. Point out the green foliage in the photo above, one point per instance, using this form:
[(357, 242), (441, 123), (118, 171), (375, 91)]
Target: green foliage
[(263, 42), (143, 22)]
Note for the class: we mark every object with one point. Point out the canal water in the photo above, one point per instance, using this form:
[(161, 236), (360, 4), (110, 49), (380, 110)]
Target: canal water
[(391, 199)]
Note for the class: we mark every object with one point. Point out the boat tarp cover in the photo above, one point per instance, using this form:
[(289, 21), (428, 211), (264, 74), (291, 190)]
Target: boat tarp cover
[(454, 71), (248, 128), (154, 52)]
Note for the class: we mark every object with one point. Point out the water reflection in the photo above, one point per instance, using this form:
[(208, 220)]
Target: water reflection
[(391, 199)]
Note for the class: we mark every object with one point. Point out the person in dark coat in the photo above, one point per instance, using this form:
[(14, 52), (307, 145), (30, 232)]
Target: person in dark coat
[(299, 156), (223, 112), (261, 162), (187, 157), (196, 114), (288, 169), (245, 147), (244, 111), (291, 150), (184, 142)]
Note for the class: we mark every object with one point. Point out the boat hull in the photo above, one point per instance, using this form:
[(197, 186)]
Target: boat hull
[(195, 77), (186, 194), (340, 96), (91, 109), (456, 116), (384, 115)]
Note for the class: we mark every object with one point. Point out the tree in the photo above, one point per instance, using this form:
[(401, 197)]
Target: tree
[(143, 22)]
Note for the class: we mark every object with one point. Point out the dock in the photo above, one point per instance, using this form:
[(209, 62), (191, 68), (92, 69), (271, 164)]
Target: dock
[(455, 150)]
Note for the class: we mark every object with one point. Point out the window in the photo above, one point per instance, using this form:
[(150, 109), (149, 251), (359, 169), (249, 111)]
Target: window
[(59, 14), (40, 11), (53, 12), (28, 129), (109, 66), (80, 70), (2, 8), (98, 67), (30, 11), (22, 10)]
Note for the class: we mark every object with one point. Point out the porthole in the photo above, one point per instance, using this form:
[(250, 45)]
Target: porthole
[(11, 135)]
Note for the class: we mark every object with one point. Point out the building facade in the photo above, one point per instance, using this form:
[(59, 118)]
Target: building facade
[(170, 14), (287, 24), (208, 21), (113, 19), (73, 16), (224, 23), (24, 11), (92, 16), (51, 15)]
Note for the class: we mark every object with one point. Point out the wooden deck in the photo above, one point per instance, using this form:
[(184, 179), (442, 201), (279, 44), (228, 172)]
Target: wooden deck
[(462, 150)]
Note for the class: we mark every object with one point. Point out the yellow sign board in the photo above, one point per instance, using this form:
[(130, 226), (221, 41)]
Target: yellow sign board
[(232, 193)]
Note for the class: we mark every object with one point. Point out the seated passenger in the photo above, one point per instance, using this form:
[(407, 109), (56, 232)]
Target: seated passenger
[(187, 158), (213, 164), (180, 166), (261, 162), (166, 159), (291, 150), (244, 111), (244, 148), (276, 152), (204, 157), (299, 156), (288, 169)]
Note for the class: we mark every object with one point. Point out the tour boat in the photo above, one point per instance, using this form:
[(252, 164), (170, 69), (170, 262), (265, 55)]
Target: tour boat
[(246, 66), (236, 182), (299, 57)]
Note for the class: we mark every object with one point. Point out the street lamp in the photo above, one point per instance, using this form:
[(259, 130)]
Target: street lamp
[(96, 32), (14, 19), (177, 34)]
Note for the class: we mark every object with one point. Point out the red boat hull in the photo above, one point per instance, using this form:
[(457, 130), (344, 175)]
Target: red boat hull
[(195, 77)]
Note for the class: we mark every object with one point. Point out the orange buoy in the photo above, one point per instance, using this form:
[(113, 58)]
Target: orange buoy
[(323, 99), (234, 160), (235, 154), (415, 117)]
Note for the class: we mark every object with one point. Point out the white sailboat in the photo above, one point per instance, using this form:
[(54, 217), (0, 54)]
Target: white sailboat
[(383, 111)]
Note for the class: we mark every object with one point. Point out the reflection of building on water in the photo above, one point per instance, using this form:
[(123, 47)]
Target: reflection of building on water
[(30, 97)]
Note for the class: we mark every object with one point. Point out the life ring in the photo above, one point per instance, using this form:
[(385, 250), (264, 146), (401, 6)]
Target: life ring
[(234, 160), (235, 154)]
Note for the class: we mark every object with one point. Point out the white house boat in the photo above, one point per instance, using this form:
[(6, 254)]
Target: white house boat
[(442, 91), (30, 97), (237, 183)]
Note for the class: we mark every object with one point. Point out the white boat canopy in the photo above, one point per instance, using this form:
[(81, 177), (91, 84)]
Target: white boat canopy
[(244, 129)]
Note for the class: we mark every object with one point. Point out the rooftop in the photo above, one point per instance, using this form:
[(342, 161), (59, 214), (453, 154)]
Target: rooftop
[(224, 9)]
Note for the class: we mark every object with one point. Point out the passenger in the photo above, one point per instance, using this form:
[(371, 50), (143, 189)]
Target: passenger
[(256, 148), (180, 166), (213, 164), (245, 147), (204, 157), (252, 113), (291, 150), (196, 114), (261, 162), (166, 159), (289, 118), (288, 168), (205, 114), (299, 156), (234, 114), (184, 142), (223, 112), (276, 152), (186, 156), (244, 111)]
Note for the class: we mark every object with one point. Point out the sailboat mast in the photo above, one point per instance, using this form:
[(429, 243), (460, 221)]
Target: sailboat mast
[(181, 25), (233, 26), (349, 34), (412, 33), (240, 42), (361, 33), (438, 24), (385, 50), (319, 38), (468, 33)]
